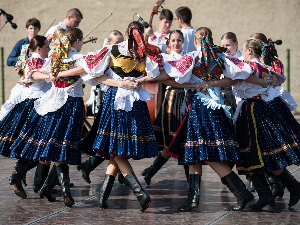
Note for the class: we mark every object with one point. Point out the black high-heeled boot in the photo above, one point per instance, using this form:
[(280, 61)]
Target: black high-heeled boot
[(149, 172), (192, 200), (63, 179), (88, 166), (40, 176), (238, 189), (276, 186), (292, 185), (138, 191), (17, 176), (264, 192), (49, 184), (105, 191)]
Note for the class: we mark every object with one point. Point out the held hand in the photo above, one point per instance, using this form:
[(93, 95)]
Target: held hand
[(52, 78), (201, 87), (129, 84), (274, 81)]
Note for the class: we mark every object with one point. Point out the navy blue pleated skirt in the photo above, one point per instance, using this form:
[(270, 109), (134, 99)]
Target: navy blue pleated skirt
[(129, 134), (12, 124), (210, 136), (268, 135), (53, 137)]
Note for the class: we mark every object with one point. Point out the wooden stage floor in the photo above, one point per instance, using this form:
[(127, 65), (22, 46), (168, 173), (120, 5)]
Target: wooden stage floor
[(167, 191)]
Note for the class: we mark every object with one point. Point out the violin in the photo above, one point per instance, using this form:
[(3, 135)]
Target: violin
[(154, 88), (93, 40)]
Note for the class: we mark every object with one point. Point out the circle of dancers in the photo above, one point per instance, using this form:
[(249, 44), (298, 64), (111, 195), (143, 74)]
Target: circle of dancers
[(222, 108)]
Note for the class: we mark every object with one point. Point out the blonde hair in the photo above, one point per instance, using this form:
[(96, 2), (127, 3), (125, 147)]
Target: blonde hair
[(255, 45), (259, 36), (58, 33), (201, 32), (229, 36)]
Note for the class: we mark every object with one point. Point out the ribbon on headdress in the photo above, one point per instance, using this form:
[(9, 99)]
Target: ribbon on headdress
[(267, 50), (60, 50), (141, 49), (208, 46)]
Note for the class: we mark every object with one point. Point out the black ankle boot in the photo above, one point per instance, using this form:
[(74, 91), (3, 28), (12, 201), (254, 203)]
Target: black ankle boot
[(88, 166), (17, 177), (50, 182), (192, 200), (250, 185), (63, 179), (292, 185), (264, 193), (40, 176), (276, 186), (105, 191), (122, 179), (138, 191), (238, 189), (149, 172)]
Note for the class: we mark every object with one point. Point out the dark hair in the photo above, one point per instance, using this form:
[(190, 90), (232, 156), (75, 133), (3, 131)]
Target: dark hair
[(173, 32), (73, 34), (256, 45), (74, 13), (37, 41), (229, 36), (184, 13), (136, 24), (166, 14), (34, 22)]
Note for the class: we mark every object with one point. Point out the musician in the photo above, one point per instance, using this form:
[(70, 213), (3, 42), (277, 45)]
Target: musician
[(160, 37), (33, 27), (73, 19)]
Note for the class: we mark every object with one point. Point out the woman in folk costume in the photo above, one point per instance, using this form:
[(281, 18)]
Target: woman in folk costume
[(16, 110), (270, 58), (210, 136), (170, 116), (125, 130), (275, 136), (267, 141), (56, 123)]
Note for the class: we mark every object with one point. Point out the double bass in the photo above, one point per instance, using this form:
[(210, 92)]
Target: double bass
[(154, 88)]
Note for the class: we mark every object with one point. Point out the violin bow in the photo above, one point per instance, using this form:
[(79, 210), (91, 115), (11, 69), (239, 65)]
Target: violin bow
[(97, 26), (49, 27)]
